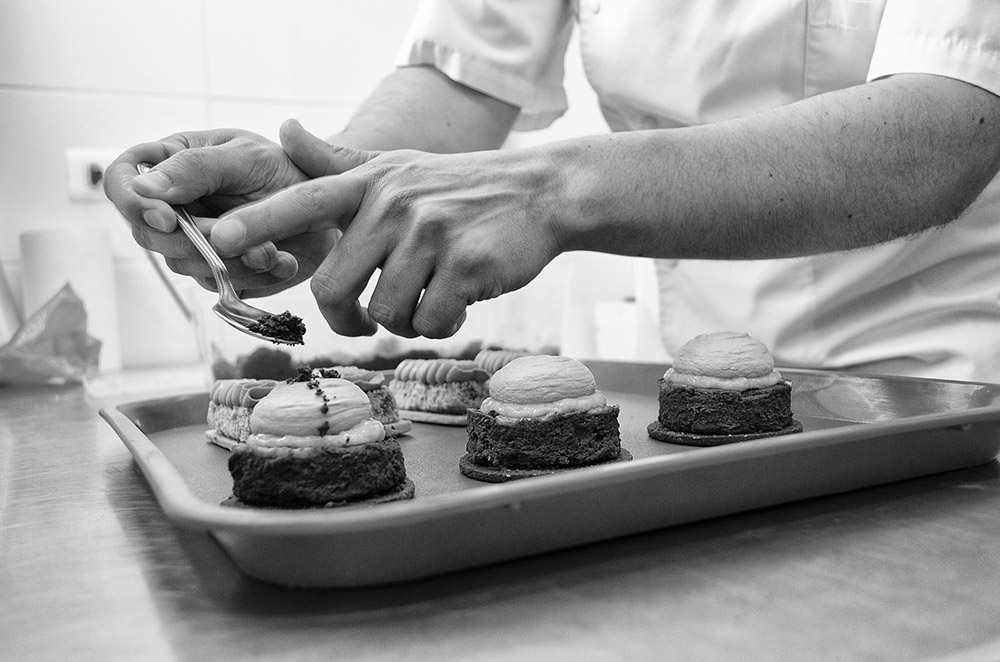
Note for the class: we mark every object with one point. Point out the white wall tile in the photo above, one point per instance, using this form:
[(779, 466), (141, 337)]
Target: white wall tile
[(320, 50), (154, 47), (265, 118), (41, 125)]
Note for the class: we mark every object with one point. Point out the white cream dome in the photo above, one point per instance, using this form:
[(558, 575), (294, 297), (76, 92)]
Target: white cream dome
[(725, 360), (536, 386)]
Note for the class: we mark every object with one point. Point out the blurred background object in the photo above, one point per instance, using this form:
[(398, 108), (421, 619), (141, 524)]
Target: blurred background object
[(81, 81)]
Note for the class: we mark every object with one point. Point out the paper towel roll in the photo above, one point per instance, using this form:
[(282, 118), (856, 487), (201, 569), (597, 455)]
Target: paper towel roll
[(83, 258)]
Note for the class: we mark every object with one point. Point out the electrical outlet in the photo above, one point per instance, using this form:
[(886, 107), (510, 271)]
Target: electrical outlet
[(85, 172)]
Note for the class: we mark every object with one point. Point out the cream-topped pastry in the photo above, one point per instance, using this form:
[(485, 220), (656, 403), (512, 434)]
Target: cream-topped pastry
[(438, 390), (541, 385), (543, 414), (314, 443), (722, 389), (330, 411), (726, 360)]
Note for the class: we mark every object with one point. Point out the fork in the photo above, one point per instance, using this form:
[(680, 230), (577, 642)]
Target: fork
[(233, 310)]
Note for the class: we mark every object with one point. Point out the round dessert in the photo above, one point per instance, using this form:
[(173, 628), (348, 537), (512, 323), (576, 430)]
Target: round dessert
[(438, 390), (372, 382), (543, 414), (722, 389), (230, 402), (314, 444)]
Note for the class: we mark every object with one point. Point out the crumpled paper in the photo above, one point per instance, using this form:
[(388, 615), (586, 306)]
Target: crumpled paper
[(52, 346)]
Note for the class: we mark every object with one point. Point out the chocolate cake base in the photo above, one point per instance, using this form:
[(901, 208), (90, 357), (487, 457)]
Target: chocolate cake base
[(660, 433), (711, 411), (711, 417), (576, 439), (404, 492), (490, 474), (331, 475)]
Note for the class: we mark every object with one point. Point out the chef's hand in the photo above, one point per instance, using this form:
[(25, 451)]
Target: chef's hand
[(212, 172), (445, 230)]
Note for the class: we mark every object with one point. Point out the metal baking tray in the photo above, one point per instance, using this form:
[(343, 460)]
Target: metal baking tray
[(858, 431)]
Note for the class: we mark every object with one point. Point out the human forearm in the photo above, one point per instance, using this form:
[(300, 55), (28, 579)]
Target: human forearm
[(420, 108), (847, 169), (443, 231)]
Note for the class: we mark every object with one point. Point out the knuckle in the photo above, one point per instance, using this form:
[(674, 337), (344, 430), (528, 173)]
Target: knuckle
[(310, 198), (392, 318), (472, 261), (325, 292)]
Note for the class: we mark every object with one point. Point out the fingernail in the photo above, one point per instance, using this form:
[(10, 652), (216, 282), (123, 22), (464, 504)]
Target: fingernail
[(228, 234), (154, 181), (284, 268), (155, 219), (256, 259)]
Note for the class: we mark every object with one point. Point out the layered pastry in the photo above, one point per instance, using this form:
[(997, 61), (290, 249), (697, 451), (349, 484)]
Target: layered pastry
[(492, 360), (313, 443), (373, 383), (543, 414), (438, 390), (723, 388), (230, 402)]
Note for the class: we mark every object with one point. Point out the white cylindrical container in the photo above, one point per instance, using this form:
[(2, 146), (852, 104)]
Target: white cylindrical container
[(82, 257)]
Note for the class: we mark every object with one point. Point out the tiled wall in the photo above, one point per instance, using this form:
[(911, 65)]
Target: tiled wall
[(107, 74)]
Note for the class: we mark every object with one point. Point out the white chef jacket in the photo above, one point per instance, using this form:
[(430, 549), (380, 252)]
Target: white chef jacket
[(927, 305)]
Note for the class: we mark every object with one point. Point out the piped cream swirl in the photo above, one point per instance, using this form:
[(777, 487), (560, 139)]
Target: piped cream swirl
[(538, 386), (320, 412), (440, 371), (726, 360), (492, 360), (240, 392)]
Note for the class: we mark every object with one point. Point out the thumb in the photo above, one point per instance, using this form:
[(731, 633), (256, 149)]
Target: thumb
[(315, 156)]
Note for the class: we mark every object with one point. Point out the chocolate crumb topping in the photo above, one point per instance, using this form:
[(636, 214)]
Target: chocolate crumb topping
[(283, 326), (304, 375)]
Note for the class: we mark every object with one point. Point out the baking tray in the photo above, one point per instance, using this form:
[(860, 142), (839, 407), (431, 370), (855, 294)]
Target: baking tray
[(858, 431)]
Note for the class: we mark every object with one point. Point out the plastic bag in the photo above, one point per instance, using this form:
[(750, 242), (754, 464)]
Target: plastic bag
[(52, 346)]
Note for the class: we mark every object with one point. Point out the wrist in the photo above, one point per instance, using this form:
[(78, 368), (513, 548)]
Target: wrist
[(578, 194)]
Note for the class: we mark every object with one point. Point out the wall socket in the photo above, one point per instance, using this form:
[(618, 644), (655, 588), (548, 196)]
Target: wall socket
[(85, 173)]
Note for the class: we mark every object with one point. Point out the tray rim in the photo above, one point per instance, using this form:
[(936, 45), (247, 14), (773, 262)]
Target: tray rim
[(184, 508)]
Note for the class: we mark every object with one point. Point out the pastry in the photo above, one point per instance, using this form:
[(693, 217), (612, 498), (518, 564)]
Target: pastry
[(438, 390), (373, 383), (723, 388), (543, 414), (313, 443), (230, 402)]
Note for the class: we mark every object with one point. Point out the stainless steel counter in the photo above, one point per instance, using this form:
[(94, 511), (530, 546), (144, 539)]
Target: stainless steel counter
[(91, 570)]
